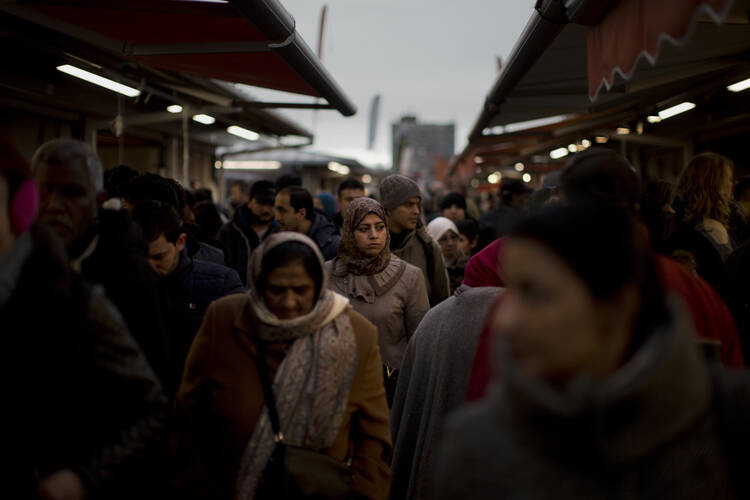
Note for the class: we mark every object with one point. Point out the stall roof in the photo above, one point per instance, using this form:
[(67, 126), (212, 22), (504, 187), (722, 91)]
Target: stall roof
[(547, 73), (247, 41)]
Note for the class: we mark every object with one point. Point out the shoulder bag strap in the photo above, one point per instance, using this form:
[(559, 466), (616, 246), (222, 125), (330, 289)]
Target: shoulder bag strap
[(265, 380)]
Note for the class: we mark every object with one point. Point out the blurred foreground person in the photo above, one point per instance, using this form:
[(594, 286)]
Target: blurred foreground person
[(383, 288), (433, 379), (327, 383), (602, 176), (410, 241), (189, 285), (105, 246), (86, 412), (601, 388)]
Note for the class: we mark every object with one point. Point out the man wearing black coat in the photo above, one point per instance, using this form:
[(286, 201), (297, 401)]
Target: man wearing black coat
[(250, 225), (189, 285)]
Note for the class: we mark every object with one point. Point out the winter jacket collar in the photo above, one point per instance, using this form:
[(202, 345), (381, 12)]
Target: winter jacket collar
[(655, 396)]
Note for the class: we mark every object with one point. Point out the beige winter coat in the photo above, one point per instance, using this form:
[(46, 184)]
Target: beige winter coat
[(394, 300)]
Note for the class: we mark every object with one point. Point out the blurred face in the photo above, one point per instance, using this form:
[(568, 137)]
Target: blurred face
[(289, 220), (449, 245), (371, 235), (454, 213), (164, 255), (290, 291), (346, 197), (405, 216), (236, 196), (262, 211), (554, 326), (466, 246), (67, 198)]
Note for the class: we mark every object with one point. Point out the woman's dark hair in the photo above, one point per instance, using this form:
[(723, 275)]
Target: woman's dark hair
[(453, 198), (289, 253), (605, 247), (469, 228)]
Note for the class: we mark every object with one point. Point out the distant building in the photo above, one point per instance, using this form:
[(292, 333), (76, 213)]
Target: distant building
[(419, 147)]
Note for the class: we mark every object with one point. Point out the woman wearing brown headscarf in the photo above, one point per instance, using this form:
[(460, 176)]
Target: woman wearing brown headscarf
[(383, 288), (325, 370)]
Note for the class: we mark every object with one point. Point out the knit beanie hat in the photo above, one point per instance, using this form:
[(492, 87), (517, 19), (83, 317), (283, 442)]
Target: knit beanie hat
[(439, 226), (397, 189)]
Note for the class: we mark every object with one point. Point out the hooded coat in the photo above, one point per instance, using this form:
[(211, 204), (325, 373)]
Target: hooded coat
[(649, 430)]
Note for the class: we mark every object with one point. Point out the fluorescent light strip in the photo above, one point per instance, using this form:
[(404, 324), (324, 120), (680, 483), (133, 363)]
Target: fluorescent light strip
[(676, 110), (739, 86), (204, 119), (99, 80), (174, 108), (558, 153), (251, 165), (243, 132)]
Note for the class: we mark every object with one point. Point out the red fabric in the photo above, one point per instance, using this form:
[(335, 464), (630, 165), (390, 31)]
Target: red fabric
[(710, 314), (635, 27), (483, 269)]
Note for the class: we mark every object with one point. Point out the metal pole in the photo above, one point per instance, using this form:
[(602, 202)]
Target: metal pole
[(185, 150)]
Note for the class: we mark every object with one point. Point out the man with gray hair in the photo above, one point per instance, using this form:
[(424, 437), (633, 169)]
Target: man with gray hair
[(401, 197), (105, 246)]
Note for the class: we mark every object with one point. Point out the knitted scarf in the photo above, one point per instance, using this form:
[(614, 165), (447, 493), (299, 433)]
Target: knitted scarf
[(313, 381)]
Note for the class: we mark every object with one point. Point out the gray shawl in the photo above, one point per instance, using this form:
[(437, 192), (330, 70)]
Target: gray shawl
[(433, 381), (313, 381)]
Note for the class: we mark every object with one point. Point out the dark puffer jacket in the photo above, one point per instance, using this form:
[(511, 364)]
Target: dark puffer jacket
[(189, 291), (79, 393), (325, 234), (240, 240)]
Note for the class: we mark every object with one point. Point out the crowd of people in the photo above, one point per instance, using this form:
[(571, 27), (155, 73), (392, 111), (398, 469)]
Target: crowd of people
[(584, 340)]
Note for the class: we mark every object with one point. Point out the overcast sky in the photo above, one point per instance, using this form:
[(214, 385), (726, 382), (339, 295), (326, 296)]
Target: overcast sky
[(425, 57)]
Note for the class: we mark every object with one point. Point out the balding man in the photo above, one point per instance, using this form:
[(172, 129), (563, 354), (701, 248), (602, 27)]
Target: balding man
[(103, 245)]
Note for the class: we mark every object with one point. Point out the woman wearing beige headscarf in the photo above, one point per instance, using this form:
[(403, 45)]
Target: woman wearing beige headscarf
[(323, 359), (383, 288)]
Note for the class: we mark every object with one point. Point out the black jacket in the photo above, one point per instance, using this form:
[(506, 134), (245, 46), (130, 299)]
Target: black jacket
[(119, 264), (189, 290), (79, 393), (325, 234), (240, 240)]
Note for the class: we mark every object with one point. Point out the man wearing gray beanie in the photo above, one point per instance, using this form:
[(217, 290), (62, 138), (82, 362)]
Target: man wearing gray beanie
[(401, 197)]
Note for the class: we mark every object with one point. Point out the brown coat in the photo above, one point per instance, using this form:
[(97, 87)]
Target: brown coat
[(220, 400), (395, 312)]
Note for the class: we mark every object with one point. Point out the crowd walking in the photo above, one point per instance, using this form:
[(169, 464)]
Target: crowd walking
[(359, 347)]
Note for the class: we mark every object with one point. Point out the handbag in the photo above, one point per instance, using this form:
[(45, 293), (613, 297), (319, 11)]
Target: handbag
[(294, 472)]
